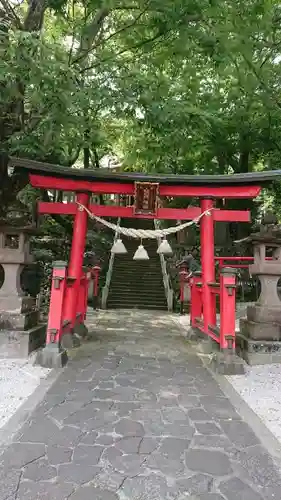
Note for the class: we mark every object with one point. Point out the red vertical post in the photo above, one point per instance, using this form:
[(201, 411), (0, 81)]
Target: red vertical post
[(76, 259), (55, 318), (196, 298), (54, 355), (207, 262), (227, 307)]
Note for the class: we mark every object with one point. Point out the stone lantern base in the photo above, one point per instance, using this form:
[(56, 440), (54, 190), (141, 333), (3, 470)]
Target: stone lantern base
[(258, 313), (22, 318), (21, 343), (259, 343), (20, 330)]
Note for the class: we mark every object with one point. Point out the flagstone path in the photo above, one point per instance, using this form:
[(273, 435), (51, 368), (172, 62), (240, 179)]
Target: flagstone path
[(136, 416)]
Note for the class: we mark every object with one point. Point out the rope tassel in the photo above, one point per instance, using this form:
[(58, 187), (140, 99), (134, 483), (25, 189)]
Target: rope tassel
[(118, 247), (141, 253), (165, 247)]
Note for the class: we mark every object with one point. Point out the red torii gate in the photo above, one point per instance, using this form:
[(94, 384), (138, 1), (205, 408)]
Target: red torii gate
[(84, 183)]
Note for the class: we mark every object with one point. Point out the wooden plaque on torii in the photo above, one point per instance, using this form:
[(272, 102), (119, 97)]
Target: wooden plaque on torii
[(146, 198)]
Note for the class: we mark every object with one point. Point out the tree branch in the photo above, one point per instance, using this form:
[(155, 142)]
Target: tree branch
[(74, 156), (73, 34), (160, 33), (9, 9), (101, 42), (124, 28), (35, 15), (134, 47), (95, 157), (91, 32), (261, 81), (275, 46)]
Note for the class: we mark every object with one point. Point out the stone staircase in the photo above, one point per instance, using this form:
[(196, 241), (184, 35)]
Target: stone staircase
[(137, 284)]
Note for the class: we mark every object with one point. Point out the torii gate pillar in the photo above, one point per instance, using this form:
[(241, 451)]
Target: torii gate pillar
[(75, 270), (208, 262)]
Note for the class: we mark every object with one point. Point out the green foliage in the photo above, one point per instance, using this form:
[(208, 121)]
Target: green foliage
[(168, 86)]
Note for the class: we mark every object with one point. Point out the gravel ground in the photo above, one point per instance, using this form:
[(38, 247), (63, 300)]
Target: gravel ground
[(18, 380), (260, 388)]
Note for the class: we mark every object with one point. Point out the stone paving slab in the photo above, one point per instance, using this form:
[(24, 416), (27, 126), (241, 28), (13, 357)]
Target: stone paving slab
[(136, 416)]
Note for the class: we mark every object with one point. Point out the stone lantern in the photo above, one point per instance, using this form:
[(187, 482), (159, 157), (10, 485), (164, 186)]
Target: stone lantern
[(259, 340), (19, 314)]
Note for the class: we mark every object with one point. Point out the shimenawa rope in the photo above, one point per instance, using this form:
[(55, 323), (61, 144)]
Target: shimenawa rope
[(143, 233)]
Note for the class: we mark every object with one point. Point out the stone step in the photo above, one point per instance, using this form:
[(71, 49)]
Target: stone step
[(123, 305), (149, 288), (128, 269), (147, 274), (144, 273), (129, 266), (134, 287), (139, 281), (137, 284), (137, 297), (137, 263)]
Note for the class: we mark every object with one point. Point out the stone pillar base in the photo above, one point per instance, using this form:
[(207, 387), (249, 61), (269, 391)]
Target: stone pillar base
[(269, 331), (225, 363), (52, 356), (258, 352), (264, 314), (14, 320), (21, 343)]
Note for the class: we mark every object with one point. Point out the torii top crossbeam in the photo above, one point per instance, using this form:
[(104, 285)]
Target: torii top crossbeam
[(246, 185), (47, 176)]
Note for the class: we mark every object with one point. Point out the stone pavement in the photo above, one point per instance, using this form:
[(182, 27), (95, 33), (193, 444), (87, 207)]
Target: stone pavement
[(136, 416)]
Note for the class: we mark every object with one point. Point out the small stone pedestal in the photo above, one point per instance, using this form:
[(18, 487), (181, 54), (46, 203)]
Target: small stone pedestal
[(52, 356), (227, 363), (20, 332), (259, 340)]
